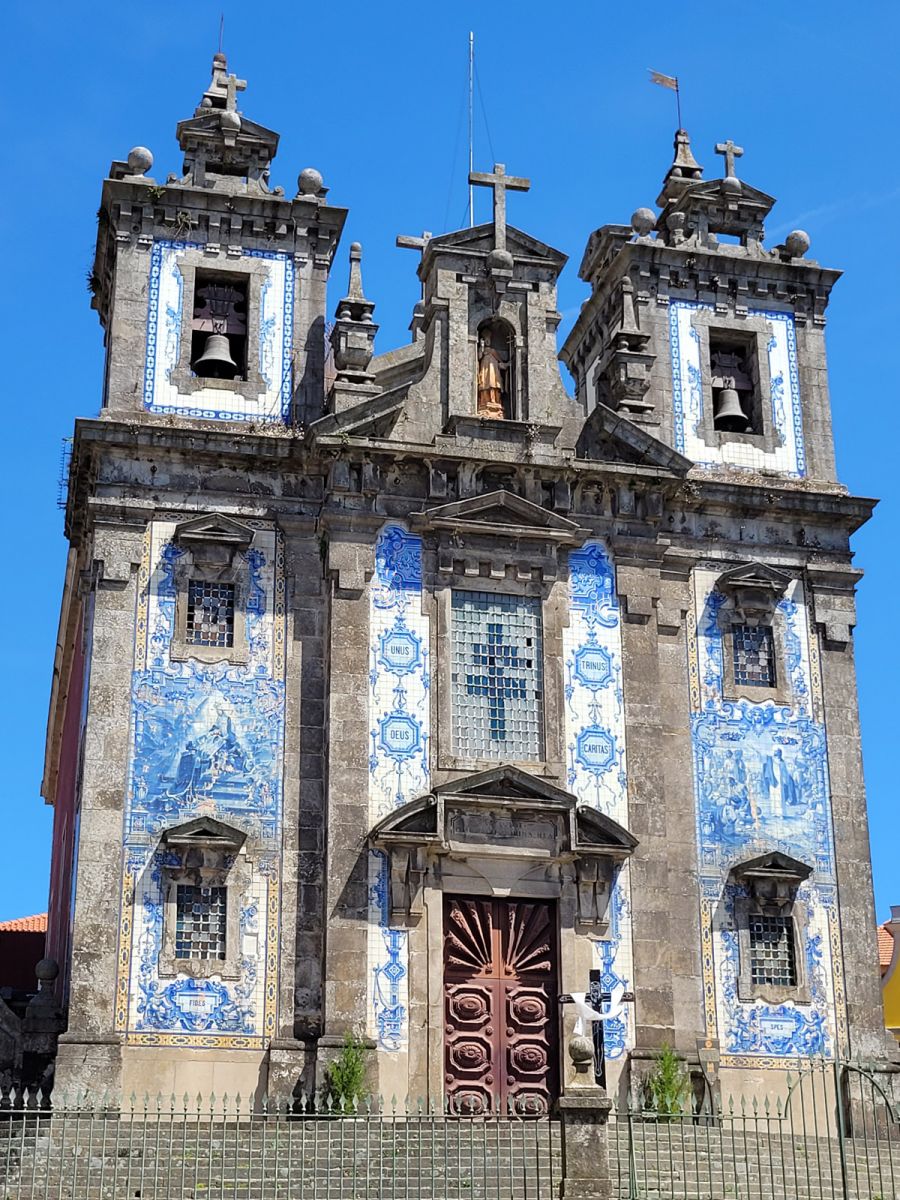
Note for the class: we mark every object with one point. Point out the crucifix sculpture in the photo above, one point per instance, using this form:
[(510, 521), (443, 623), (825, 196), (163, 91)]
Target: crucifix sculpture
[(731, 152), (501, 183)]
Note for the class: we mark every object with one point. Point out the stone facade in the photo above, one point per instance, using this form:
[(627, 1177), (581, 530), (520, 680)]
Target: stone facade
[(360, 635)]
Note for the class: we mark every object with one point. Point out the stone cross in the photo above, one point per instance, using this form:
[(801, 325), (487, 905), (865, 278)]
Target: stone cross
[(731, 152), (500, 182), (233, 85), (414, 243)]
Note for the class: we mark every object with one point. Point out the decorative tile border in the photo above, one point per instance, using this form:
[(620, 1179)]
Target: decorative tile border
[(595, 747), (400, 727), (165, 316), (746, 804), (206, 739), (789, 458)]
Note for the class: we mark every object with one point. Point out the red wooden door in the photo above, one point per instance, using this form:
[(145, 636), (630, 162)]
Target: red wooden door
[(500, 1000)]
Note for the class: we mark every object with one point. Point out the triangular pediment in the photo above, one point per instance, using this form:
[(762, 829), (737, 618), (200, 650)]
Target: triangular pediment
[(205, 831), (754, 575), (209, 126), (500, 512), (608, 436), (214, 527), (774, 864), (481, 239), (506, 782), (599, 832), (416, 820), (715, 191), (373, 417)]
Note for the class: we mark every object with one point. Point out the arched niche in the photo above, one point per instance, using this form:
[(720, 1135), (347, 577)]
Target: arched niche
[(495, 373)]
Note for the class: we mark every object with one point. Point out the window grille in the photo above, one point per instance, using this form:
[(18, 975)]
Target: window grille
[(772, 958), (200, 918), (754, 655), (210, 614), (498, 701)]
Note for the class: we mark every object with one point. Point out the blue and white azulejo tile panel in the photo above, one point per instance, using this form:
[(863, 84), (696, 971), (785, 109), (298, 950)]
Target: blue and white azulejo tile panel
[(399, 734), (167, 324), (761, 784), (595, 746), (688, 398), (206, 740)]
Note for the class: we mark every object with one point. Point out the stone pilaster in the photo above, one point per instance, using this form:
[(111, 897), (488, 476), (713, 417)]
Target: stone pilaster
[(346, 885), (639, 587), (91, 1049), (834, 614)]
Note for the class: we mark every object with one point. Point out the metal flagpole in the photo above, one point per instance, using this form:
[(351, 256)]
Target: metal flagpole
[(671, 82), (471, 128)]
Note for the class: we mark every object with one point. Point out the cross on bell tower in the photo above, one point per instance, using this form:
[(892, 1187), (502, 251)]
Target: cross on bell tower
[(730, 152), (501, 183)]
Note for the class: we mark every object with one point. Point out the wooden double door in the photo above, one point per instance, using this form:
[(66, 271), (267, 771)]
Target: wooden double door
[(501, 1025)]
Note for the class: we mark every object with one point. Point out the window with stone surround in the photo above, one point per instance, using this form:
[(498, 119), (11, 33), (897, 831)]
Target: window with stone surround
[(773, 961), (497, 676), (210, 613), (201, 921), (753, 658)]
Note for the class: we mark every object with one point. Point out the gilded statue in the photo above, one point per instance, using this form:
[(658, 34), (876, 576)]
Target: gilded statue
[(493, 387)]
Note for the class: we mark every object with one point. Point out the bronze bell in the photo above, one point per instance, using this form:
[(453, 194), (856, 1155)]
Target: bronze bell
[(730, 416), (216, 362)]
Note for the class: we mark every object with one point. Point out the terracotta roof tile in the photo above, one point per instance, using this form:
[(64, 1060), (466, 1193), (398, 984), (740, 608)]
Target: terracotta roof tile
[(885, 947), (35, 924)]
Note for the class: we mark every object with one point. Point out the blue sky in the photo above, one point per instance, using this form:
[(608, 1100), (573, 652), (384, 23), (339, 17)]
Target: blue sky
[(373, 95)]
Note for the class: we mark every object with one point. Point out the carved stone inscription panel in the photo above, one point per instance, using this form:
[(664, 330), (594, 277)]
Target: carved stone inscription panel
[(500, 980)]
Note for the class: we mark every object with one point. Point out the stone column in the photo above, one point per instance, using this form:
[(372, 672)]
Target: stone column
[(90, 1051), (835, 616)]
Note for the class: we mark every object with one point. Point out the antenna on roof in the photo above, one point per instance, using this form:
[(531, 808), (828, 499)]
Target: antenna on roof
[(471, 128), (221, 30)]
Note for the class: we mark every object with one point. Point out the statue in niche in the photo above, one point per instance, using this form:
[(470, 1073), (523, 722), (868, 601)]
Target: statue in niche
[(493, 373)]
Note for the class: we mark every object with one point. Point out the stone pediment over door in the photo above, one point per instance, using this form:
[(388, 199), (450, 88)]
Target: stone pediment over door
[(501, 832)]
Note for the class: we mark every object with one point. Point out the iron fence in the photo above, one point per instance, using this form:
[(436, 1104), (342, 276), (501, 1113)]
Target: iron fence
[(174, 1149), (832, 1132)]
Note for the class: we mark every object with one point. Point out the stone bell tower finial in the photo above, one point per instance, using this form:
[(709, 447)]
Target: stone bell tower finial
[(684, 170), (223, 149)]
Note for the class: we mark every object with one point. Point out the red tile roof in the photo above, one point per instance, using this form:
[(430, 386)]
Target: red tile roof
[(35, 924), (885, 947)]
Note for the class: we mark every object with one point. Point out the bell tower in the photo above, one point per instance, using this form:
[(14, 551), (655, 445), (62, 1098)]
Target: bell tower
[(703, 335), (210, 286)]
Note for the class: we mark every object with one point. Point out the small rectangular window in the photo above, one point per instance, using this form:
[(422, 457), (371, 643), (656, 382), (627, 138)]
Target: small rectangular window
[(754, 656), (200, 921), (772, 958), (210, 614), (498, 696)]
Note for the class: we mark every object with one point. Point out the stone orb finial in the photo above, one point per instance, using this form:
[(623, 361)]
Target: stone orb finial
[(797, 243), (310, 181), (220, 60), (140, 160), (642, 221), (500, 260), (46, 970), (230, 120), (356, 247)]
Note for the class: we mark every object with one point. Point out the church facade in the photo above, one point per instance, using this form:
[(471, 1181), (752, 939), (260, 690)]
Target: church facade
[(406, 695)]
